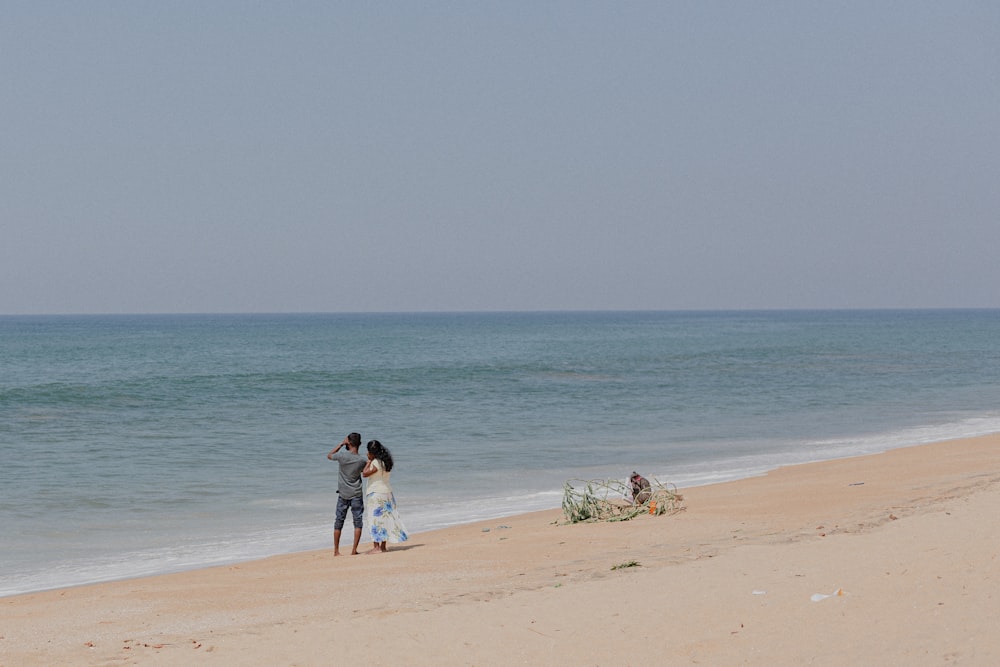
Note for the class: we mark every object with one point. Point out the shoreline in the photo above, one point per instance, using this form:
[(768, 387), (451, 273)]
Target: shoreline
[(59, 583), (907, 534)]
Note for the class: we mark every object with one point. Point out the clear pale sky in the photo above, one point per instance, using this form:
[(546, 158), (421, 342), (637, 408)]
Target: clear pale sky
[(379, 156)]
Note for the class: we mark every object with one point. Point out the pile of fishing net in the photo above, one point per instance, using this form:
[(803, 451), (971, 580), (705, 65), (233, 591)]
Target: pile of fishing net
[(612, 500)]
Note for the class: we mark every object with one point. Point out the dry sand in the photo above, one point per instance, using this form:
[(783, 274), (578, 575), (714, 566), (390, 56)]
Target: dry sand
[(908, 536)]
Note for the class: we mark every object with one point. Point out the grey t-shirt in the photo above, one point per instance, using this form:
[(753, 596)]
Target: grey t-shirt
[(349, 479)]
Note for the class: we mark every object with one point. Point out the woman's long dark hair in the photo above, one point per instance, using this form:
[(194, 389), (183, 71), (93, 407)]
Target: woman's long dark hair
[(376, 449)]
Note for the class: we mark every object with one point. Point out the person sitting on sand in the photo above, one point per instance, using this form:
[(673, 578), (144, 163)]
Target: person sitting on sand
[(380, 503), (641, 489)]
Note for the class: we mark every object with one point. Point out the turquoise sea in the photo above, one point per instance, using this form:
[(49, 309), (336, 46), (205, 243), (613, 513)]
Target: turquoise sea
[(136, 445)]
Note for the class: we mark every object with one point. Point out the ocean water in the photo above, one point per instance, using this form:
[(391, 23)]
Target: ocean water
[(136, 445)]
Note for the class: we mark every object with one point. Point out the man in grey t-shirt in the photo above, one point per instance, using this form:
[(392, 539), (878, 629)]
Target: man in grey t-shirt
[(348, 489)]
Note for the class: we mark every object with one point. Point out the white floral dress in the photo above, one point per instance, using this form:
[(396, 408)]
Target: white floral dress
[(381, 514)]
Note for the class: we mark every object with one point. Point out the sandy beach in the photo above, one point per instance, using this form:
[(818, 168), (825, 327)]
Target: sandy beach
[(907, 538)]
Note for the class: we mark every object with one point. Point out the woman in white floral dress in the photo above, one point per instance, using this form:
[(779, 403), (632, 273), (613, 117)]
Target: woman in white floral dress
[(380, 504)]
